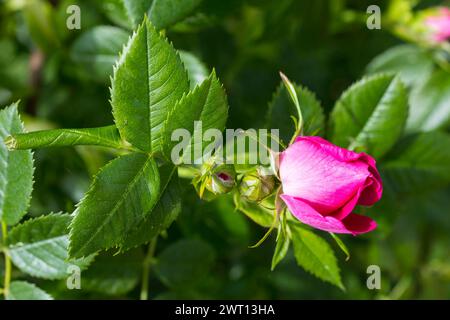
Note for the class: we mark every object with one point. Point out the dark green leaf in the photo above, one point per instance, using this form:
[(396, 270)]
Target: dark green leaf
[(420, 162), (113, 274), (98, 49), (121, 195), (164, 13), (281, 108), (40, 19), (162, 215), (148, 80), (184, 263), (126, 13)]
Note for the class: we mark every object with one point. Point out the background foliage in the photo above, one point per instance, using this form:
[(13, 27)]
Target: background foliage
[(62, 78)]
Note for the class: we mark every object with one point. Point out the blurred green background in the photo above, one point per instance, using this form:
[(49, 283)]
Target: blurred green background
[(322, 44)]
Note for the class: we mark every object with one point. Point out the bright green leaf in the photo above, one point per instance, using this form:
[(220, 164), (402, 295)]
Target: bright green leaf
[(410, 62), (22, 290), (281, 248), (341, 245), (197, 71), (430, 103), (261, 213), (121, 195), (102, 136), (315, 255), (370, 115), (148, 80), (39, 247), (16, 170), (206, 103)]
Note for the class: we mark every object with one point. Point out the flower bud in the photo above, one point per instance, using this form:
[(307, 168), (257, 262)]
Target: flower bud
[(257, 185), (221, 180)]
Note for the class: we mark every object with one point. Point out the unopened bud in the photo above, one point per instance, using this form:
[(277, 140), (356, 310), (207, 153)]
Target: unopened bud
[(221, 181), (257, 185)]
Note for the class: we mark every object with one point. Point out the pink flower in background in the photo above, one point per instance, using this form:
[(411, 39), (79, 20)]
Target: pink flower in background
[(322, 183), (440, 25)]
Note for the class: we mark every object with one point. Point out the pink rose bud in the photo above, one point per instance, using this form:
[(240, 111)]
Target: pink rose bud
[(322, 184), (440, 25)]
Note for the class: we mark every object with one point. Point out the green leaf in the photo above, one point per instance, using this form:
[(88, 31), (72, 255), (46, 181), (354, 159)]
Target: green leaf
[(103, 136), (16, 170), (113, 274), (206, 103), (294, 98), (197, 71), (164, 13), (184, 263), (121, 195), (430, 103), (115, 10), (281, 109), (40, 20), (136, 9), (98, 49), (22, 290), (261, 213), (281, 248), (370, 115), (126, 13), (315, 256), (410, 62), (148, 80), (341, 245), (39, 247), (162, 215), (420, 162)]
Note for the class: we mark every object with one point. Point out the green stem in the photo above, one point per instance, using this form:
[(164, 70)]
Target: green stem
[(8, 266), (148, 260)]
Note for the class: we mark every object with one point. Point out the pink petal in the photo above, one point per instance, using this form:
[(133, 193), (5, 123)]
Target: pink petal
[(371, 193), (327, 176), (354, 224), (440, 25)]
